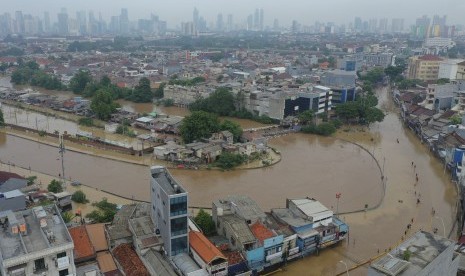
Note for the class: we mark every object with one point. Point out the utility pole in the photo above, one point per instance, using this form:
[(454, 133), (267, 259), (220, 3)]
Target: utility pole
[(338, 196), (62, 153)]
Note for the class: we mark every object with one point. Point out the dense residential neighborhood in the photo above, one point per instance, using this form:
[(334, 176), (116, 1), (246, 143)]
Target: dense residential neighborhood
[(191, 106)]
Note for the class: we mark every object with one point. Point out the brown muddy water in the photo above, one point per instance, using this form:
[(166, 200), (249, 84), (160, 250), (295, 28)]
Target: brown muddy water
[(311, 166)]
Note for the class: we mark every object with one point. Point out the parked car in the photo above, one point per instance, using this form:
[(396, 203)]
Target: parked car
[(75, 183)]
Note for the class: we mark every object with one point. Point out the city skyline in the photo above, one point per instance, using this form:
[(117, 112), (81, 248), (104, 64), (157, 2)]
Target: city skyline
[(306, 14)]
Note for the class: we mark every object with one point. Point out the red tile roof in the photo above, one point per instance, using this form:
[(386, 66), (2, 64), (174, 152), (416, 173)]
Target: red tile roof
[(261, 232), (83, 249), (430, 57), (129, 261), (203, 247), (4, 176)]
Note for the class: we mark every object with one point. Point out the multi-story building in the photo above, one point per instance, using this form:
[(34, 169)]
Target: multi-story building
[(342, 83), (169, 211), (35, 242), (422, 254), (448, 68), (460, 71), (425, 68)]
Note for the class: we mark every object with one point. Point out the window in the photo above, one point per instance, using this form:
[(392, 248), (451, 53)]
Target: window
[(179, 226), (178, 206), (61, 255), (178, 245), (63, 272), (39, 264)]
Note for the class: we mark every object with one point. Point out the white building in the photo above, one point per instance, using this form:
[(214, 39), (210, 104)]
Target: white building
[(448, 68), (439, 42), (35, 242), (421, 255)]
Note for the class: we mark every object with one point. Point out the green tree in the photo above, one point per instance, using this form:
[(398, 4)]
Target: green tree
[(102, 104), (220, 102), (198, 125), (205, 222), (78, 82), (2, 119), (228, 160), (373, 114), (55, 186), (160, 91), (305, 117), (232, 127), (394, 71), (443, 81), (105, 81), (79, 197), (67, 217), (347, 111), (31, 180), (142, 92), (455, 120), (105, 211)]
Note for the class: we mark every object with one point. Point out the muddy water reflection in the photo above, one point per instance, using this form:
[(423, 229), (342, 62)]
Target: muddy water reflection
[(308, 165)]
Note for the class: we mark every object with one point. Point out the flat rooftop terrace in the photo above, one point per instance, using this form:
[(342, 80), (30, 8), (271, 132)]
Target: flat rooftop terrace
[(161, 175), (31, 231)]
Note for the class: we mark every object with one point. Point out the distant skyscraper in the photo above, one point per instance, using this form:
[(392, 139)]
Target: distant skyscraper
[(276, 25), (358, 25), (81, 22), (256, 19), (261, 20), (47, 22), (220, 22), (397, 25), (124, 21), (422, 27), (195, 17), (63, 22), (250, 22), (230, 24), (383, 24), (19, 22)]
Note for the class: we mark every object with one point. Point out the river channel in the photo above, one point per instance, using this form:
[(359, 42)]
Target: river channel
[(311, 166)]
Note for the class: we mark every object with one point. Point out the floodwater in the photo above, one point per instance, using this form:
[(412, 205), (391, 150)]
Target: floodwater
[(311, 166)]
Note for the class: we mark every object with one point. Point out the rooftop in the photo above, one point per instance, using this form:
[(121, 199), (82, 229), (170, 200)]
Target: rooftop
[(240, 228), (424, 248), (97, 237), (4, 176), (106, 262), (83, 249), (187, 266), (130, 261), (204, 248), (261, 232), (244, 206), (312, 208), (158, 264), (32, 230), (161, 175)]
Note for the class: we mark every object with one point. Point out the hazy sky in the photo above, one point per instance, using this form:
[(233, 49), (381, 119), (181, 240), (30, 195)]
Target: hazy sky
[(305, 11)]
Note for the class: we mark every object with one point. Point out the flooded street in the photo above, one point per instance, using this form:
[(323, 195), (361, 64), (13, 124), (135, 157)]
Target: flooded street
[(311, 166)]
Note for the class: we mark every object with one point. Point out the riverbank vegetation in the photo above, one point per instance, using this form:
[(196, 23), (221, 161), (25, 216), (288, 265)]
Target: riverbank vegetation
[(104, 213), (222, 102), (201, 124), (2, 119), (29, 73), (55, 186), (83, 84), (79, 197)]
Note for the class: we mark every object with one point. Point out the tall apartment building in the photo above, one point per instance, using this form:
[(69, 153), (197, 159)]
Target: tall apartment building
[(448, 68), (35, 242), (425, 68), (169, 211)]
